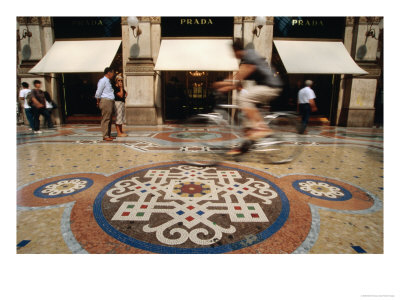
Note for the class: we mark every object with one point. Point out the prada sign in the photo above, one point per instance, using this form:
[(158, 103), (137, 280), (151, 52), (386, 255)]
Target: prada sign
[(196, 26), (309, 27), (86, 27)]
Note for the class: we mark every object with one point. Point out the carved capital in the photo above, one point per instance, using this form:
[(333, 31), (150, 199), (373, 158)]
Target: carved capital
[(155, 20), (369, 20), (28, 20), (33, 20), (249, 19), (21, 20), (144, 19), (270, 20), (124, 20), (237, 20), (45, 21), (349, 21)]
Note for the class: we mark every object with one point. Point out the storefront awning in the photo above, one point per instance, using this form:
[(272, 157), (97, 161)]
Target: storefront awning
[(312, 57), (196, 55), (78, 57)]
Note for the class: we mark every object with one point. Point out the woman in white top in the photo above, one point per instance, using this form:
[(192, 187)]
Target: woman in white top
[(28, 110)]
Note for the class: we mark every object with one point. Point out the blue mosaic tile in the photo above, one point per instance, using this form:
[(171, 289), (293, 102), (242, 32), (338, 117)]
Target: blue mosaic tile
[(358, 249), (23, 243)]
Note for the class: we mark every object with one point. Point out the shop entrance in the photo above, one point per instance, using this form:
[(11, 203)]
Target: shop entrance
[(188, 93), (325, 88), (79, 91)]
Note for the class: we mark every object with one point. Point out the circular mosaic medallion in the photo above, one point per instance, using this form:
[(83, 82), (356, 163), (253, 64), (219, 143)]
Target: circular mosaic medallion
[(64, 187), (322, 190), (188, 209)]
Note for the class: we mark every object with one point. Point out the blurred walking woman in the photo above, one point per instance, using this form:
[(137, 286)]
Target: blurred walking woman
[(120, 96)]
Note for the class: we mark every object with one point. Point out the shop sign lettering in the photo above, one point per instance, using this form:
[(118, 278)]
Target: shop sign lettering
[(88, 22), (200, 26), (296, 22), (196, 21)]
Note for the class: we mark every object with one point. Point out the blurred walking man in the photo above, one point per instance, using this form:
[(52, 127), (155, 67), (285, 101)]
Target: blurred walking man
[(306, 104), (105, 101)]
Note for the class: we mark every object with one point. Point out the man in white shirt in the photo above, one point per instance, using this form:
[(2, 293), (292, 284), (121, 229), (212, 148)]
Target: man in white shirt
[(28, 110), (105, 101), (306, 104)]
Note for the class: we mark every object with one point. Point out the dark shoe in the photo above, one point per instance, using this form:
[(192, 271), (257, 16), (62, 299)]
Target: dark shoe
[(301, 128)]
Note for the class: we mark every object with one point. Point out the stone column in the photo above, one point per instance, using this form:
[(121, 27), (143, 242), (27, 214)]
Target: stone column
[(356, 105), (139, 73), (345, 79), (155, 49), (238, 27), (237, 33), (263, 43), (47, 38)]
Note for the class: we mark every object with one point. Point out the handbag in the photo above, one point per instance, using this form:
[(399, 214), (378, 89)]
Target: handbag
[(54, 104), (48, 99)]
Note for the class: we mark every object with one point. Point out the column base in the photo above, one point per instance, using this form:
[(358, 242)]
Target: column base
[(355, 117), (141, 116)]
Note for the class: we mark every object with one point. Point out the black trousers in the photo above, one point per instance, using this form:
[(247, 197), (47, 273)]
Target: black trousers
[(305, 111), (36, 114)]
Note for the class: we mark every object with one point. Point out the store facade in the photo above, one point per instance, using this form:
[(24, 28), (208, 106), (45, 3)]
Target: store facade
[(170, 64)]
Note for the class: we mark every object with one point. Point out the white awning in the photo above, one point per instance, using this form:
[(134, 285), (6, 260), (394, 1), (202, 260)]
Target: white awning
[(311, 57), (78, 56), (196, 55)]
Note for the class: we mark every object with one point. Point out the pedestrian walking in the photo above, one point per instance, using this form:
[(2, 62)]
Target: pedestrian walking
[(38, 105), (23, 93), (50, 106), (106, 102), (120, 96), (306, 104)]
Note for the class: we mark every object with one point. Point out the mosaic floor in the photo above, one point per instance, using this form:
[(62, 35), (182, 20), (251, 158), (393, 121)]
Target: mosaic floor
[(79, 194)]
